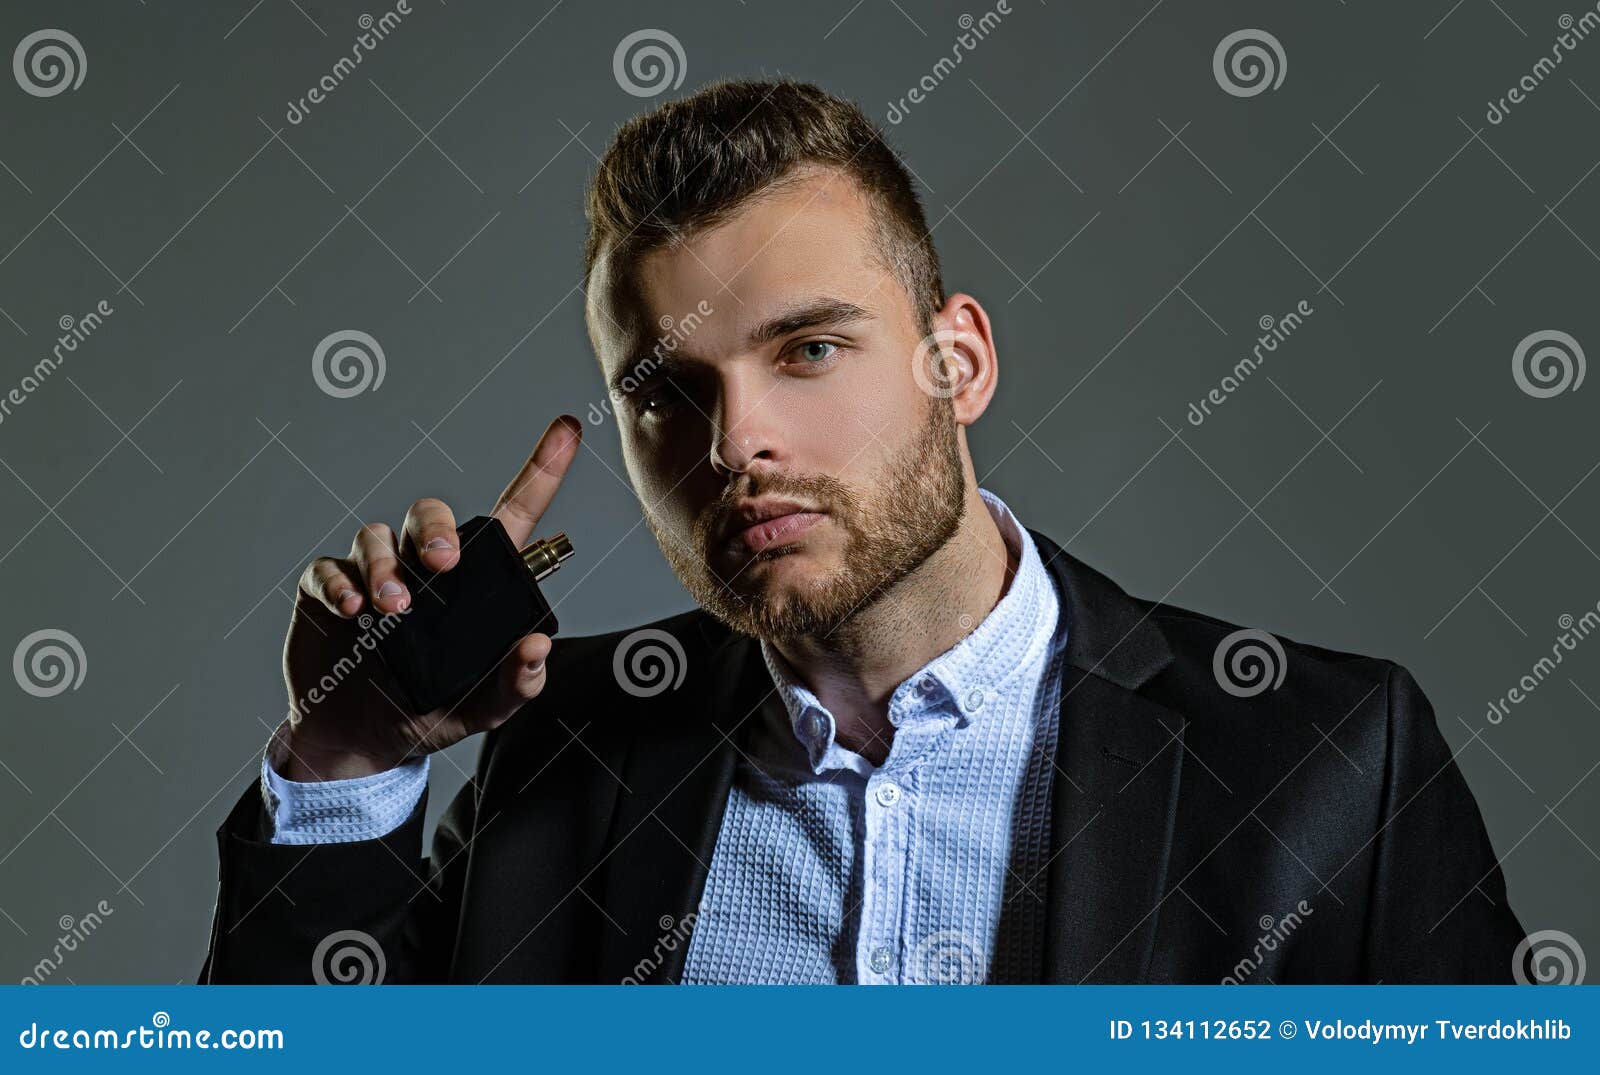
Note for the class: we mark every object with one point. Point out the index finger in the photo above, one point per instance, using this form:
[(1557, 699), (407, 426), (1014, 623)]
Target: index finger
[(530, 492)]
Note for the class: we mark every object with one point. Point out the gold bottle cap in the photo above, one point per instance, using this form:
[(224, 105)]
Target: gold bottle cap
[(546, 554)]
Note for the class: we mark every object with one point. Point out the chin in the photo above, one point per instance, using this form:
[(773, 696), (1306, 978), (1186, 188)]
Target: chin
[(782, 578)]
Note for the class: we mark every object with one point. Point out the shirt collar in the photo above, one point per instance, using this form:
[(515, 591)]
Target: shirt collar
[(962, 680)]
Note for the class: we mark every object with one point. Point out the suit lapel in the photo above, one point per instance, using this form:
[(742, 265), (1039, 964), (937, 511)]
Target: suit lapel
[(1115, 792), (676, 780)]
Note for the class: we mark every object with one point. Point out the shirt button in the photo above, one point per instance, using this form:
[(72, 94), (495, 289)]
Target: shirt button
[(925, 684), (813, 726), (888, 794), (974, 700), (880, 960)]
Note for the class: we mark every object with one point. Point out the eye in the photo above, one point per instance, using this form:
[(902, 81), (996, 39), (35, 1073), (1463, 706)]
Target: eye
[(817, 350), (655, 401)]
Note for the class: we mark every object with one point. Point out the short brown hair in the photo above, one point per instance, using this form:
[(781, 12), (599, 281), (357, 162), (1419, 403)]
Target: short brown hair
[(688, 164)]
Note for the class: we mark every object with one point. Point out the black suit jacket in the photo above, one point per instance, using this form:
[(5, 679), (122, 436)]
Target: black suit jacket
[(1318, 832)]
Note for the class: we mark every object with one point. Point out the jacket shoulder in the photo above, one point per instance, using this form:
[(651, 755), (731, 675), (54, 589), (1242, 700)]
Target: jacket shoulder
[(1232, 666)]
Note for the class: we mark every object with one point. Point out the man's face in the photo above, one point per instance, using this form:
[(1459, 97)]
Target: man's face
[(769, 363)]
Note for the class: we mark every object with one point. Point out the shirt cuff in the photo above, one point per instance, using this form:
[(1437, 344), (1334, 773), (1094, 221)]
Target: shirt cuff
[(341, 811)]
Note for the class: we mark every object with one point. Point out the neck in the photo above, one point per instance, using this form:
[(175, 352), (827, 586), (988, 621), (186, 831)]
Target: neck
[(855, 669)]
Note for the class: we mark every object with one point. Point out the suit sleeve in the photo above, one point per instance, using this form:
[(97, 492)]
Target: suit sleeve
[(372, 910), (1438, 910)]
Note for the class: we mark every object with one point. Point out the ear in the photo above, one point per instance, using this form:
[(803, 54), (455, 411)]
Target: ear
[(957, 361)]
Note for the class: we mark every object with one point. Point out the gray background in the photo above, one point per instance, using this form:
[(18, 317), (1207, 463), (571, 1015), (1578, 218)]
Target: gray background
[(160, 494)]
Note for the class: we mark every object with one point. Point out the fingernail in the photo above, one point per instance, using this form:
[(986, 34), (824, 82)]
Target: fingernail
[(345, 596), (533, 667), (436, 543), (389, 589)]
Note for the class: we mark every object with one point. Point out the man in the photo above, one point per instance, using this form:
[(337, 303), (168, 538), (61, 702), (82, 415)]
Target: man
[(903, 738)]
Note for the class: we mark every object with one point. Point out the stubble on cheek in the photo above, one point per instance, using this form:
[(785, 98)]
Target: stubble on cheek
[(915, 505)]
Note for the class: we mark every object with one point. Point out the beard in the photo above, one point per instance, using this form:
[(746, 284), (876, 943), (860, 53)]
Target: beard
[(911, 510)]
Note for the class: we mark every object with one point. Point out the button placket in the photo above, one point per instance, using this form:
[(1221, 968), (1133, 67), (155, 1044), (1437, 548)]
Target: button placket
[(884, 866)]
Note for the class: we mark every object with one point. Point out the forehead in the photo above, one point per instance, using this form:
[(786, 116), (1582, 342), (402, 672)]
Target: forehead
[(810, 236)]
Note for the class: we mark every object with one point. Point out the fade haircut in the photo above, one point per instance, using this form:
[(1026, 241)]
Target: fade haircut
[(690, 164)]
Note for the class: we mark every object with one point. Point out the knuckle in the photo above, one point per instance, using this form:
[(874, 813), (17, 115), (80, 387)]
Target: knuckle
[(328, 581), (377, 541), (315, 573)]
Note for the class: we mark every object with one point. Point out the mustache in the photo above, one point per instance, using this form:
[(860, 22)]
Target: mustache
[(825, 492)]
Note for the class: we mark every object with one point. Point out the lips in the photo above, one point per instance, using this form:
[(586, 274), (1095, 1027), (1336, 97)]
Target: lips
[(777, 531), (756, 526)]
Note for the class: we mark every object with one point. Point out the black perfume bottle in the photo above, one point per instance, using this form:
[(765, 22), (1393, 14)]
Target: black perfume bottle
[(462, 622)]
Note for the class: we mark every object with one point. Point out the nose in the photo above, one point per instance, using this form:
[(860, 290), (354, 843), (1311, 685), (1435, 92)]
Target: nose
[(746, 428)]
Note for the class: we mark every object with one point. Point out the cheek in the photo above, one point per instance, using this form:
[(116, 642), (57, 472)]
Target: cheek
[(857, 421), (659, 468), (644, 465)]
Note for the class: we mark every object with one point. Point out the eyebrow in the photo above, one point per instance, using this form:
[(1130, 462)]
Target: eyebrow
[(653, 368), (810, 315)]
